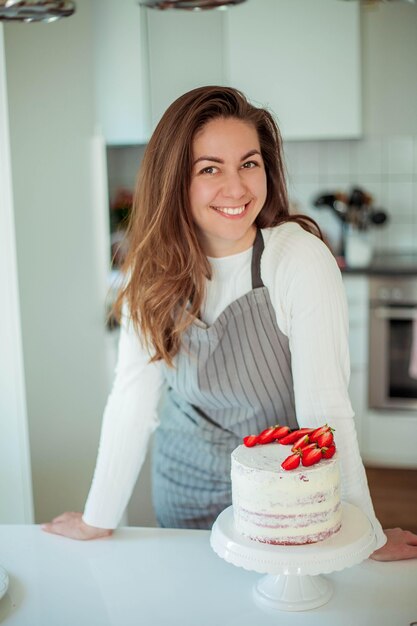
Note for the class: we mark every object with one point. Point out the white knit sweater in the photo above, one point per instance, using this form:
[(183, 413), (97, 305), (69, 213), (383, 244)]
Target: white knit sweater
[(307, 293)]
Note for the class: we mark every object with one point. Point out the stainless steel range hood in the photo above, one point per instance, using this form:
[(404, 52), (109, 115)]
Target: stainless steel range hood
[(35, 10), (190, 5)]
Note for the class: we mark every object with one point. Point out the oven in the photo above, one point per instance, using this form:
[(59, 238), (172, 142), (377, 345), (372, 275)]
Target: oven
[(393, 343)]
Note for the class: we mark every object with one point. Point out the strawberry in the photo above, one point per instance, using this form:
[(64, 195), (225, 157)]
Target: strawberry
[(320, 431), (312, 457), (300, 443), (291, 462), (310, 446), (294, 435), (327, 453), (267, 435), (281, 431), (250, 441), (325, 440), (305, 431), (290, 438)]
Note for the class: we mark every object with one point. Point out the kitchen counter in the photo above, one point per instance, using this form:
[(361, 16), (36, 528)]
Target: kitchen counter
[(386, 265), (167, 577)]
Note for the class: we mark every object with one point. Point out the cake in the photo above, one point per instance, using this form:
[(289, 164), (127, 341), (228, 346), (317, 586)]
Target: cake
[(276, 506)]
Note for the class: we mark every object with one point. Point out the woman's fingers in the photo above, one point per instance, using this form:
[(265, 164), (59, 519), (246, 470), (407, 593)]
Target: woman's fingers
[(401, 544), (71, 525), (411, 538), (63, 517)]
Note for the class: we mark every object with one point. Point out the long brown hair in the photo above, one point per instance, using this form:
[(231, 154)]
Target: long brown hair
[(165, 267)]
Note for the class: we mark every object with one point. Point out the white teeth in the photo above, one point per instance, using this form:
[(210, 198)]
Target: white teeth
[(230, 211)]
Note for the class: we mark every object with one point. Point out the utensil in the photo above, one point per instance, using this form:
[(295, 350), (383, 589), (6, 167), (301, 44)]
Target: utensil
[(335, 201)]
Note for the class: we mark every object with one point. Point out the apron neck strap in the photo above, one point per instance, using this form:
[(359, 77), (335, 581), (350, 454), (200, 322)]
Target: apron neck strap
[(258, 248)]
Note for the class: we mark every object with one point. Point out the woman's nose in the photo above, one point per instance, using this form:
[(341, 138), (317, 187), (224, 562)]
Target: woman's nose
[(233, 185)]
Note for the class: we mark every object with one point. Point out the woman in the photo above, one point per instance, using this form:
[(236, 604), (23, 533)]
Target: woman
[(234, 305)]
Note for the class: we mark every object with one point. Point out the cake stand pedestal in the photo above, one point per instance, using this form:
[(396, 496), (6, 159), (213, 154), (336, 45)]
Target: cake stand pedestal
[(294, 581)]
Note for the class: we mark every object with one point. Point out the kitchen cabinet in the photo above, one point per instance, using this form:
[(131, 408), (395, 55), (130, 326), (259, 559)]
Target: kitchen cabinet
[(302, 60), (387, 438), (356, 288), (186, 50), (121, 71), (145, 59)]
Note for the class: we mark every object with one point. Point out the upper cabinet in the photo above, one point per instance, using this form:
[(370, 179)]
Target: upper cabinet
[(302, 60), (186, 50), (298, 57), (121, 71)]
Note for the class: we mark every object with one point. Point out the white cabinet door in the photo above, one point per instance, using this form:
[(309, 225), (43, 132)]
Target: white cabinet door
[(120, 71), (302, 60), (185, 51), (358, 398), (356, 288)]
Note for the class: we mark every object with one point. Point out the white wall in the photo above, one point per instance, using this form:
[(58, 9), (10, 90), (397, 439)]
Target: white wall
[(60, 263), (16, 504)]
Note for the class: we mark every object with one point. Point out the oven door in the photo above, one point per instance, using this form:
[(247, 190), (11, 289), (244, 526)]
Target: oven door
[(393, 357)]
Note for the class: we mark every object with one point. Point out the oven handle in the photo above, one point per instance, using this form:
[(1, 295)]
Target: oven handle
[(396, 313)]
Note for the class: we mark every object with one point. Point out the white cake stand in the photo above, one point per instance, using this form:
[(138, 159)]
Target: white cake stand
[(293, 581)]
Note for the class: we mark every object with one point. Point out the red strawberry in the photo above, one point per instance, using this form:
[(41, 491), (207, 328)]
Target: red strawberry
[(291, 462), (290, 438), (250, 440), (327, 453), (310, 446), (300, 443), (325, 440), (281, 431), (267, 435), (295, 434), (320, 431), (305, 431), (311, 457)]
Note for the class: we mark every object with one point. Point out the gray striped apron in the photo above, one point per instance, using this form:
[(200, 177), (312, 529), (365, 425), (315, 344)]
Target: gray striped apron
[(230, 379)]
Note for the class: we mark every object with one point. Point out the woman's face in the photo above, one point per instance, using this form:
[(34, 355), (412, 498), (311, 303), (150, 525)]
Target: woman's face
[(228, 186)]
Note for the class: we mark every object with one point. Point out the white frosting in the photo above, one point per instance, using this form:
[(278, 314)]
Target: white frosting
[(274, 505)]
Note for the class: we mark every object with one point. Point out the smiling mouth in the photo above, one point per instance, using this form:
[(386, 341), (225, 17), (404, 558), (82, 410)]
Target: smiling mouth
[(231, 210)]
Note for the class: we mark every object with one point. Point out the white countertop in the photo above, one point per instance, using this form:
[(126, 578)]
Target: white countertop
[(158, 577)]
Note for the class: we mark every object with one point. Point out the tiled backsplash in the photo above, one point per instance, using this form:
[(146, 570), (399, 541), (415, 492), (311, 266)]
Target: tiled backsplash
[(386, 167)]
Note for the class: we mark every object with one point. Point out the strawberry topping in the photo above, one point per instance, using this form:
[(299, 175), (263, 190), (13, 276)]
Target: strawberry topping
[(250, 441), (312, 457), (320, 431), (309, 445), (327, 453), (301, 443), (325, 440), (291, 462)]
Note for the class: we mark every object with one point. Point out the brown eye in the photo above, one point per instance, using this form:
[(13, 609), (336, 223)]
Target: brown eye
[(211, 169), (249, 165)]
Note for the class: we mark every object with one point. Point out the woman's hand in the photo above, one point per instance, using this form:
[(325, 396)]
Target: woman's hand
[(71, 525), (401, 544)]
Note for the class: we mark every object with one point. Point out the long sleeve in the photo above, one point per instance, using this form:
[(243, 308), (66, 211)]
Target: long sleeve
[(307, 292), (129, 418)]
